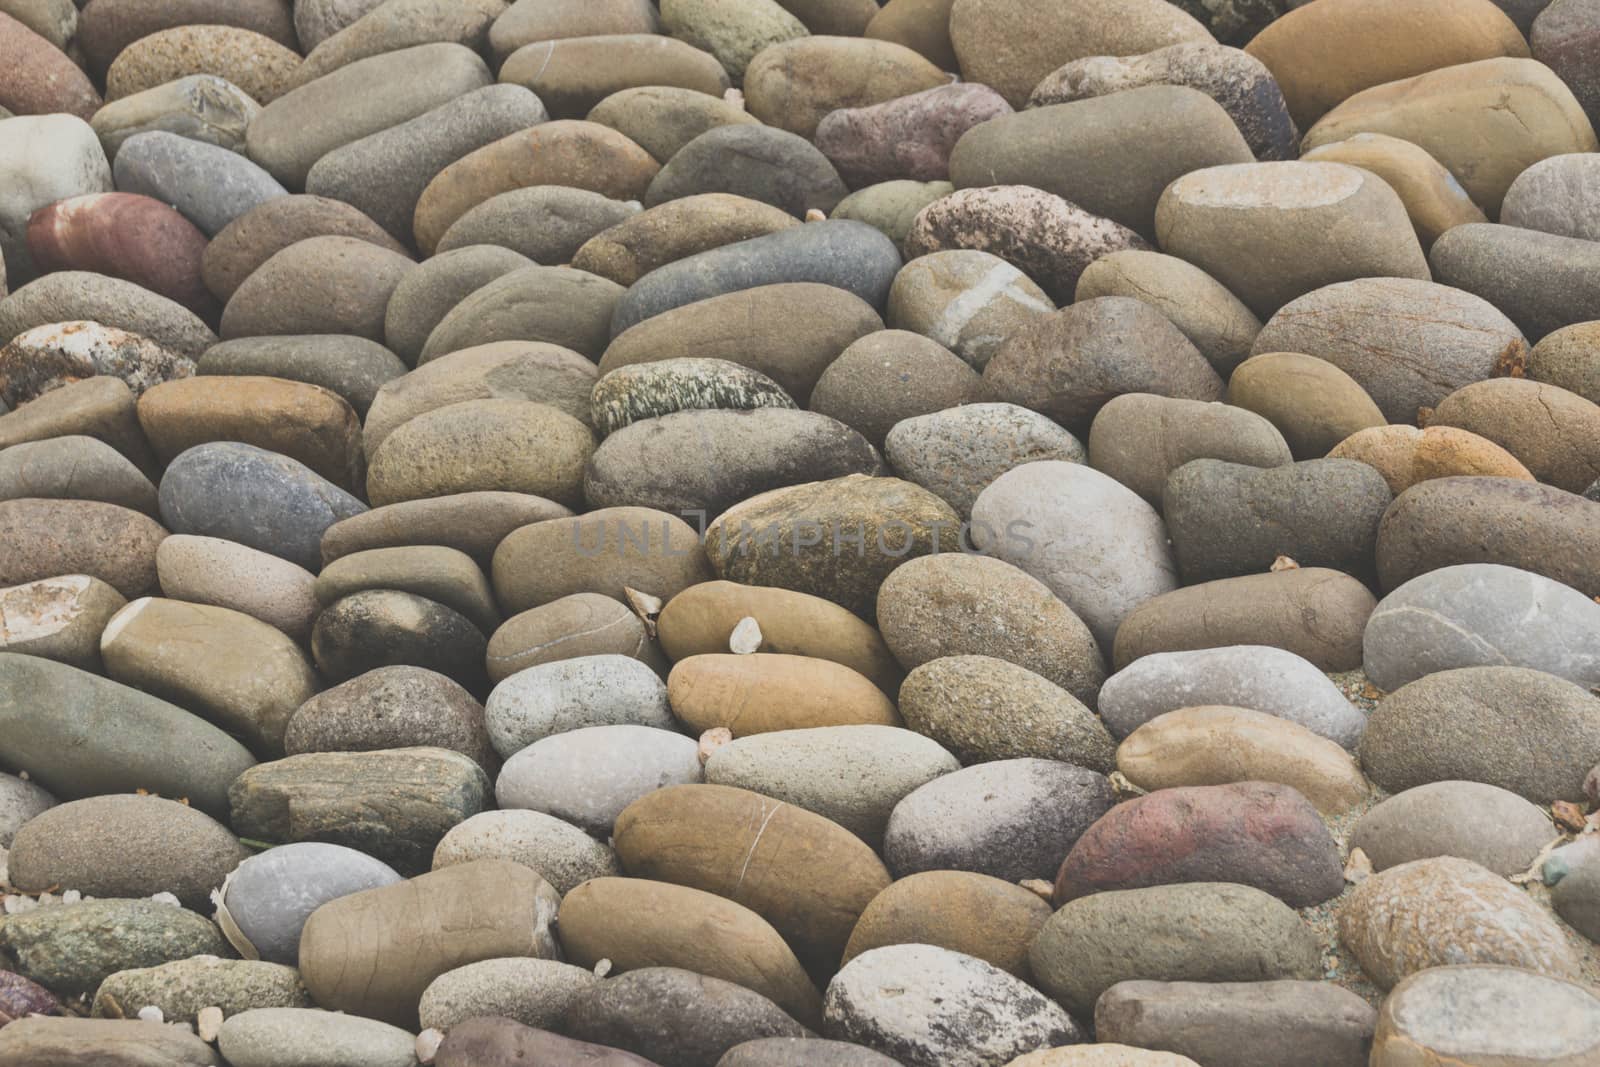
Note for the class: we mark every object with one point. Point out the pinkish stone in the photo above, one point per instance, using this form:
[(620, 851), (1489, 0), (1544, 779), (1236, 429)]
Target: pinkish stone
[(124, 235), (1047, 238), (37, 78), (908, 137), (1259, 834), (47, 357)]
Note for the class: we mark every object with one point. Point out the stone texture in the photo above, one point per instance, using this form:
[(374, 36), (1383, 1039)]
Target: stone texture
[(890, 376), (794, 84), (1553, 432), (1488, 825), (957, 910), (1431, 195), (489, 1040), (210, 570), (534, 992), (352, 367), (1568, 358), (58, 537), (267, 899), (760, 163), (71, 948), (553, 305), (1212, 318), (49, 357), (391, 707), (183, 988), (559, 852), (45, 158), (40, 78), (650, 390), (74, 467), (1484, 1012), (115, 1043), (967, 300), (766, 691), (260, 66), (474, 522), (398, 25), (606, 551), (1433, 912), (319, 285), (581, 624), (258, 1038), (1140, 439), (958, 452), (124, 235), (906, 137), (268, 228), (573, 74), (115, 24), (388, 627), (210, 186), (734, 36), (589, 775), (545, 224), (1541, 281), (58, 619), (79, 296), (570, 694), (663, 118), (202, 107), (675, 230), (1405, 455)]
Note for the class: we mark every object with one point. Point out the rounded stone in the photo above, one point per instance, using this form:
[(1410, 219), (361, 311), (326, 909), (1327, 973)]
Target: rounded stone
[(391, 707), (124, 846), (1521, 729), (78, 296), (1555, 195), (385, 627), (890, 376), (589, 775), (58, 619), (48, 538), (1212, 745), (801, 1052), (1141, 438), (607, 551), (355, 368), (553, 305), (72, 948), (254, 237), (1010, 819), (1480, 1013), (1490, 826), (49, 357), (534, 992), (397, 26), (734, 35), (183, 988), (1543, 281), (428, 293), (115, 24), (1554, 433), (202, 107), (582, 624), (852, 775), (557, 851), (1435, 912), (543, 223), (1405, 455), (1256, 677), (1432, 197), (663, 118), (1312, 402), (124, 235), (794, 84), (572, 694), (573, 74), (74, 467), (921, 25), (675, 230), (318, 285), (891, 207), (260, 66), (907, 137), (446, 575), (967, 300), (45, 158), (40, 78), (268, 898), (76, 1039), (760, 163), (650, 390), (264, 1037), (957, 453), (957, 910), (766, 691), (1570, 358), (475, 523)]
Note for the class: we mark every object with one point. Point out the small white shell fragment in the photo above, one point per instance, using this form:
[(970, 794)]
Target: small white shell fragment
[(428, 1045), (602, 968), (746, 636), (210, 1021), (152, 1014), (166, 898), (712, 740)]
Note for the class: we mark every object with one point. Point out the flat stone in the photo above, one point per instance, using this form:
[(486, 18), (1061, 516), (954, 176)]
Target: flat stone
[(385, 172), (589, 775), (79, 296), (926, 1005), (184, 988), (44, 158), (1010, 819), (1095, 543), (202, 107), (446, 575), (258, 498), (1490, 826), (1482, 1012), (1049, 239), (606, 551), (1518, 728), (71, 948), (573, 74), (268, 898), (570, 627), (391, 707), (675, 230), (74, 467), (1256, 677), (852, 775), (559, 852), (209, 185), (405, 798), (1480, 615), (1190, 932), (268, 228), (1213, 745), (115, 1043), (1433, 912), (474, 522), (268, 1037), (534, 992), (1140, 439), (907, 137), (397, 26), (60, 537), (554, 305), (387, 627)]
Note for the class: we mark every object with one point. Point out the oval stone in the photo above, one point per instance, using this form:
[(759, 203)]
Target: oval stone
[(1483, 1012), (766, 691), (958, 910), (650, 390), (679, 228), (551, 305), (958, 452), (49, 357), (572, 694), (582, 624), (758, 162), (793, 84), (1553, 432), (475, 523), (124, 235), (78, 296), (1141, 438), (47, 538), (967, 300), (324, 284), (268, 228), (1405, 455), (71, 949), (58, 619), (559, 852), (202, 107), (573, 74), (607, 551), (1490, 826), (907, 137), (589, 775), (266, 900), (391, 707)]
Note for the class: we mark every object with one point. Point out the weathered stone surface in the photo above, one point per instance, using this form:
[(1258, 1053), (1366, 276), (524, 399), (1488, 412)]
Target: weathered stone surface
[(1433, 912), (124, 235), (263, 1037), (679, 1018), (1405, 455), (1141, 438), (807, 876), (394, 804), (894, 520), (958, 452), (115, 24), (1433, 198), (844, 254), (485, 1040), (258, 498), (71, 948), (1315, 404), (45, 158), (1461, 115), (385, 172), (1484, 1012), (545, 224), (203, 107), (475, 523), (446, 575), (557, 851), (1521, 729), (554, 305), (429, 292), (663, 118), (1213, 319), (183, 988), (1242, 676), (210, 186), (701, 619), (74, 467), (570, 694), (1260, 834), (1488, 825), (606, 551), (1091, 540), (40, 78), (1450, 521), (893, 375), (78, 296), (928, 1006), (733, 36), (54, 20), (1239, 82), (534, 992), (765, 691), (353, 367), (650, 390), (1013, 44), (1553, 432), (573, 74), (1542, 281), (391, 707), (789, 332), (704, 462), (794, 84), (268, 898), (1569, 358), (1248, 1024), (115, 1043), (581, 624), (387, 627), (957, 910), (1193, 932), (967, 300), (1325, 56), (801, 1052), (638, 923), (906, 137), (1322, 512), (1479, 615), (921, 25), (57, 619), (1212, 745), (1317, 613), (318, 285), (267, 229), (760, 163), (674, 230), (400, 24), (1050, 239), (300, 127), (258, 65), (49, 357), (589, 775), (48, 538), (1262, 229)]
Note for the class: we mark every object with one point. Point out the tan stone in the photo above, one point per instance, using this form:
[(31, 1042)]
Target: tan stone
[(792, 85), (527, 21), (444, 575), (1554, 433), (661, 119), (1433, 198), (1405, 455), (1101, 1055), (809, 877), (475, 523), (920, 25), (573, 74), (1487, 1016), (675, 230), (766, 691), (581, 624), (210, 570), (1011, 45), (1325, 53), (260, 66), (583, 155), (1313, 403), (1220, 745), (1486, 122), (58, 618), (1213, 319), (606, 551), (102, 407), (699, 621), (305, 422), (235, 670), (47, 538), (634, 923), (963, 911)]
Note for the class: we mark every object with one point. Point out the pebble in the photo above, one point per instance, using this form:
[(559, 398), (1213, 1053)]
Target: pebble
[(387, 627), (114, 1042), (573, 74), (1212, 318), (40, 78), (275, 1037), (266, 900), (580, 624), (759, 163), (606, 551), (534, 992), (648, 391), (272, 226), (112, 26), (493, 1040), (391, 707), (557, 851), (1433, 198), (20, 802), (967, 300), (733, 37), (1312, 401), (59, 619), (260, 67), (71, 948), (572, 694), (1490, 826), (587, 776), (1559, 450), (399, 26), (1141, 438), (1405, 455), (75, 467), (48, 357), (1472, 1011), (113, 303), (526, 305), (910, 137), (964, 912), (184, 988), (44, 158), (208, 185), (201, 107)]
